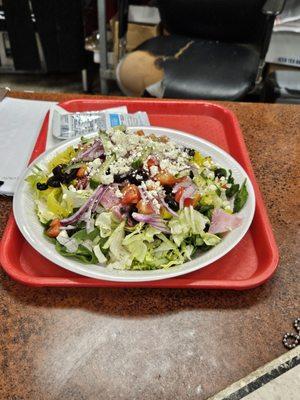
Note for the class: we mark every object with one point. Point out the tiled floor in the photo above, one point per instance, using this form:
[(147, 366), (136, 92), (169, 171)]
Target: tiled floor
[(67, 83), (286, 386), (277, 380), (62, 83)]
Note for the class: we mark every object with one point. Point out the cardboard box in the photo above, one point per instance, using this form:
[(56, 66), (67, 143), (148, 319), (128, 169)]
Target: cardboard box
[(136, 35)]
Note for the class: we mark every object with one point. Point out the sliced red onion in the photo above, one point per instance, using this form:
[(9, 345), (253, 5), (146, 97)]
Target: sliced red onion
[(185, 183), (109, 198), (188, 193), (90, 202), (98, 199), (153, 220), (117, 212), (90, 225), (94, 151), (143, 193), (222, 222), (67, 228), (82, 183)]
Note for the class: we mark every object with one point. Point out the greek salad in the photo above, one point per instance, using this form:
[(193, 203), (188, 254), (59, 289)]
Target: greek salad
[(134, 201)]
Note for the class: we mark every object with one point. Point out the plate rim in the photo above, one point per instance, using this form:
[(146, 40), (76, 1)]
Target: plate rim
[(160, 273)]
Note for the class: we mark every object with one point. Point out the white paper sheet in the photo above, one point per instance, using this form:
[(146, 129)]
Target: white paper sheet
[(20, 124)]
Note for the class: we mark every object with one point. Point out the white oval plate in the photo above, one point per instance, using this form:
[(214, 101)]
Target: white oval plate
[(32, 230)]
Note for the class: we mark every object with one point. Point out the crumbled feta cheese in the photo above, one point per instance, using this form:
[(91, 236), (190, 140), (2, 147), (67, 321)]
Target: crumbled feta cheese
[(155, 204), (153, 170), (155, 185), (209, 174), (118, 193), (165, 164), (107, 179), (96, 163)]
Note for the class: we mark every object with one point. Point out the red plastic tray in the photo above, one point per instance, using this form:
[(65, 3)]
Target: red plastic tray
[(249, 264)]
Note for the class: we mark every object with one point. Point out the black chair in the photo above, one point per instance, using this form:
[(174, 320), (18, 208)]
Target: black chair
[(215, 48)]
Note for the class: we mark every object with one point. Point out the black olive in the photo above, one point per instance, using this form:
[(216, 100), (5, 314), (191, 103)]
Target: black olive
[(143, 173), (131, 209), (71, 232), (191, 174), (68, 177), (119, 178), (59, 173), (138, 176), (72, 175), (107, 171), (191, 152), (58, 170), (172, 203), (219, 172), (206, 228), (53, 182), (42, 186), (168, 189)]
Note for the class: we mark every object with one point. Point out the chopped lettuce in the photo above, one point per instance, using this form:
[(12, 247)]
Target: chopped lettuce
[(82, 254), (210, 239), (62, 158), (119, 256), (189, 221), (98, 253), (106, 222), (76, 197), (136, 242), (58, 205), (50, 204)]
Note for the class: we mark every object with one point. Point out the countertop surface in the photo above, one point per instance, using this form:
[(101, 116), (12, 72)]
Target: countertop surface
[(160, 344)]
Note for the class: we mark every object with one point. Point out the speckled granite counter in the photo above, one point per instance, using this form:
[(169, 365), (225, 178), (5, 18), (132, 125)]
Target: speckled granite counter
[(91, 344)]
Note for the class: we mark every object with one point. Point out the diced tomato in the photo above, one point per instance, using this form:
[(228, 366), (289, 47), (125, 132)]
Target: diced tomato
[(152, 161), (165, 178), (178, 194), (81, 172), (188, 202), (131, 195), (140, 133), (182, 179), (144, 207), (55, 222), (53, 230)]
